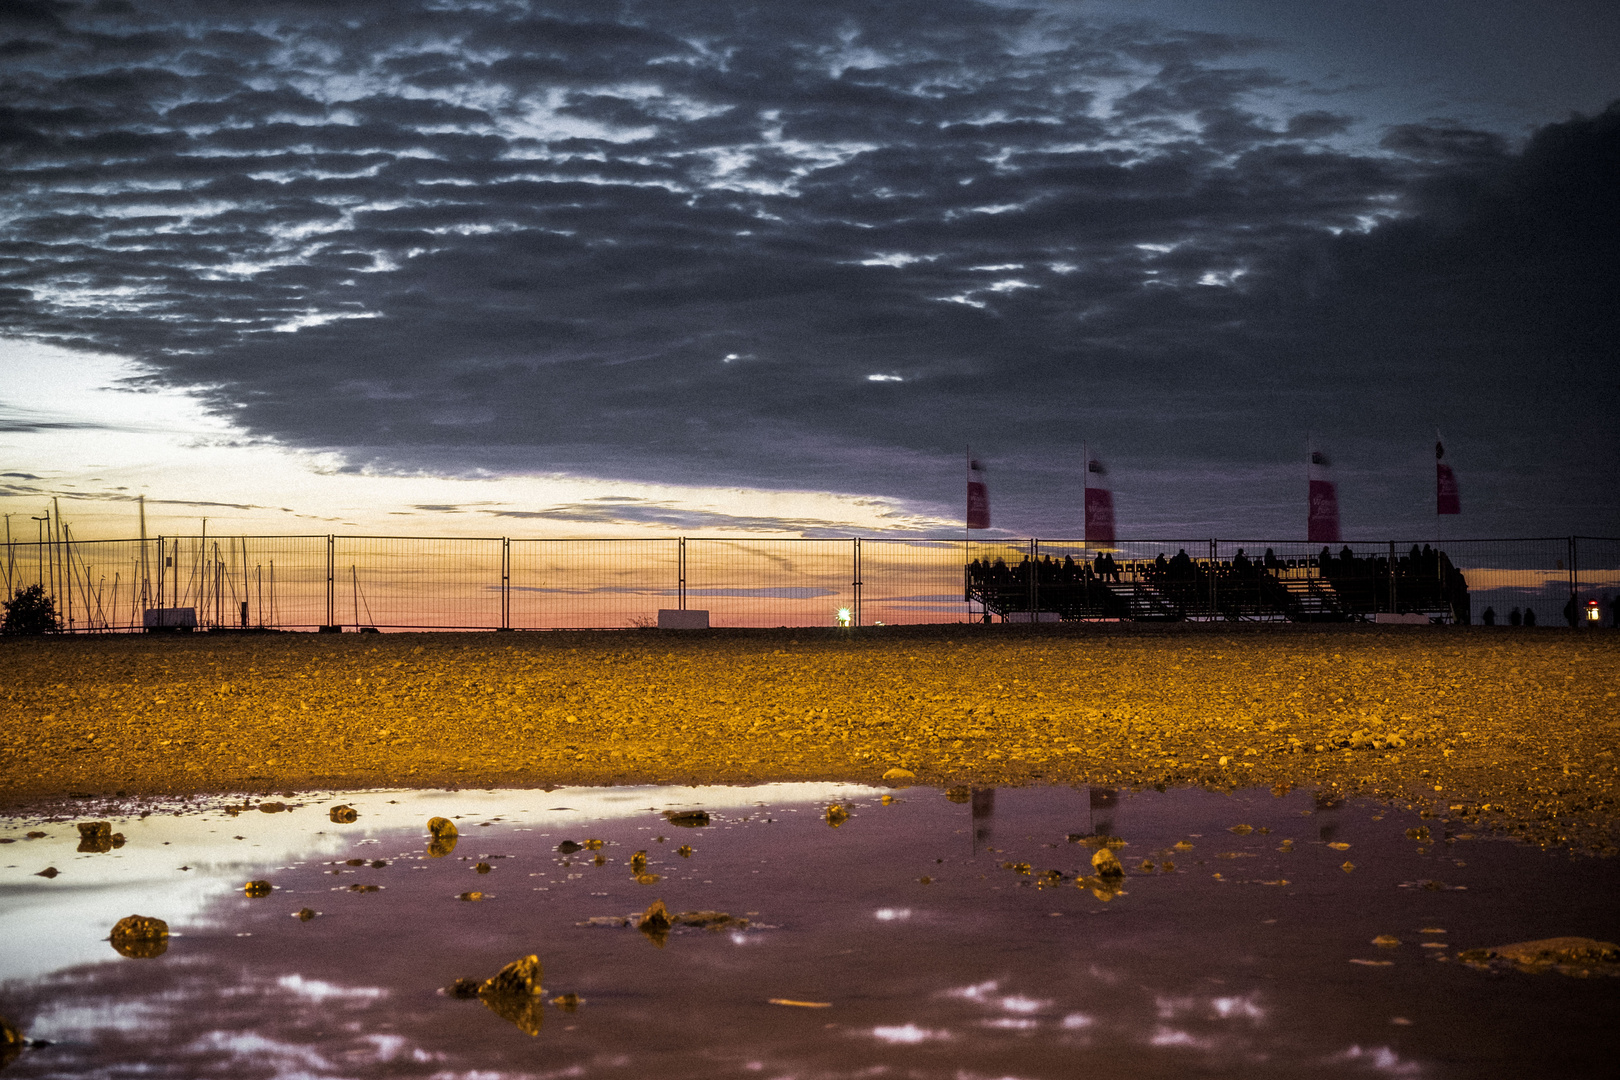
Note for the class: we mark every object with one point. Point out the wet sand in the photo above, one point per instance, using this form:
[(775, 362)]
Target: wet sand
[(1501, 728)]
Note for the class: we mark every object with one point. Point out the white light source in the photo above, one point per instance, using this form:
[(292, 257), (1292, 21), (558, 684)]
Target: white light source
[(841, 618)]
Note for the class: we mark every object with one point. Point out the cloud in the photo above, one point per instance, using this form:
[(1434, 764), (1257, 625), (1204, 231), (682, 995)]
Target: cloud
[(622, 510), (494, 236)]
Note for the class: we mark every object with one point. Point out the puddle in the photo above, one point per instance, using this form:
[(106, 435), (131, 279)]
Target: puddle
[(838, 961)]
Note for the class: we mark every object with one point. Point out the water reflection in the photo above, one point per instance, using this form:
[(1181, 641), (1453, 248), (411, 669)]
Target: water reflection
[(1228, 940), (984, 811)]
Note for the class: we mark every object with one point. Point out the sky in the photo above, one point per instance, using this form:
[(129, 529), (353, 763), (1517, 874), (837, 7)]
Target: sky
[(594, 268)]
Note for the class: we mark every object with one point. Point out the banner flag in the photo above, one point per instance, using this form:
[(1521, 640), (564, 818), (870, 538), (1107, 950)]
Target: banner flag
[(1322, 515), (978, 497), (1099, 508), (1447, 499)]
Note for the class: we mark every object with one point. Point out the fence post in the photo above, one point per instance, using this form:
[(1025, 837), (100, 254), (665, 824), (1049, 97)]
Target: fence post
[(1575, 612), (1034, 578), (1392, 605), (856, 613), (1214, 554), (680, 584), (506, 583), (330, 554)]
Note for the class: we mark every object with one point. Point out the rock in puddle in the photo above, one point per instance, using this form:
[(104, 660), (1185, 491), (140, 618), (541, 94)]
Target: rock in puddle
[(140, 937), (98, 837), (1099, 840), (687, 819), (659, 920), (443, 835), (1106, 864), (1577, 956), (514, 993), (342, 814)]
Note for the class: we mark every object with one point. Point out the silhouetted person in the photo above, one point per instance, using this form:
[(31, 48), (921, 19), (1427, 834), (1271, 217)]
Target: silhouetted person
[(1529, 616), (1161, 565), (1614, 613), (1572, 613), (1324, 559), (1488, 616), (1240, 564), (1272, 562), (1515, 618)]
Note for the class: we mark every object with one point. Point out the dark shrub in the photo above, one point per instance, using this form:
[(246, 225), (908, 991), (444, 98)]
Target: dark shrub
[(30, 611)]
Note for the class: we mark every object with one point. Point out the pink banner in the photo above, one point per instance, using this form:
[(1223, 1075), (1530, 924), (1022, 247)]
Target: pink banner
[(1446, 498), (1099, 517), (1322, 523), (978, 497)]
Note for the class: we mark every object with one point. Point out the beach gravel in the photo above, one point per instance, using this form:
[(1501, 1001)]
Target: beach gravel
[(1492, 727)]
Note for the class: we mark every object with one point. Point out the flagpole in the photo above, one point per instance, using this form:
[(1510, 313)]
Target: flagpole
[(1085, 490)]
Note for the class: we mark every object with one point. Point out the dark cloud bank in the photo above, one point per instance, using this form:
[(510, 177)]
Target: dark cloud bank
[(529, 236)]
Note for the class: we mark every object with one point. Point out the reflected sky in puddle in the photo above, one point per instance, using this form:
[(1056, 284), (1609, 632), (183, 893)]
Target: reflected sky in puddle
[(1240, 954)]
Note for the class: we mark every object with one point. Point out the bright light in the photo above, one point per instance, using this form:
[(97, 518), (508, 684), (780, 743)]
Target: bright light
[(842, 617), (1594, 613)]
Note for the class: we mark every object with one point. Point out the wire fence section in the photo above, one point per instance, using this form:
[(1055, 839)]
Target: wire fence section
[(370, 583)]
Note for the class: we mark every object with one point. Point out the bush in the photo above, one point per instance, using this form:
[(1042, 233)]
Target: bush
[(30, 611)]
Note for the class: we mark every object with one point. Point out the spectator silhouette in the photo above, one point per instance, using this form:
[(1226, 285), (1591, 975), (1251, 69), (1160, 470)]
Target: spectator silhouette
[(1488, 616), (1272, 562), (1515, 618), (1529, 616), (1572, 614)]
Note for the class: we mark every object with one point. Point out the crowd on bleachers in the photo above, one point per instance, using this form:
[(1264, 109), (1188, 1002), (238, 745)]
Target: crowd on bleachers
[(1422, 580)]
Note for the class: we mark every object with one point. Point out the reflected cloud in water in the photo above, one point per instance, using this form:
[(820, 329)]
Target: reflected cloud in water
[(1005, 964)]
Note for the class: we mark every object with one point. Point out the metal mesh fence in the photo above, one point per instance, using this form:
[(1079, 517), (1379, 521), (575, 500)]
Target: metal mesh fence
[(771, 582), (1597, 580), (398, 583), (592, 584)]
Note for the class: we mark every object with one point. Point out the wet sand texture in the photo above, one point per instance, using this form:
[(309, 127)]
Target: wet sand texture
[(1503, 727)]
